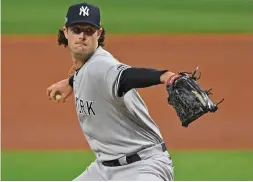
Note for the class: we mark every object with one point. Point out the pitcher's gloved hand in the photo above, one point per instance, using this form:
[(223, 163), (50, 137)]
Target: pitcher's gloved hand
[(187, 98)]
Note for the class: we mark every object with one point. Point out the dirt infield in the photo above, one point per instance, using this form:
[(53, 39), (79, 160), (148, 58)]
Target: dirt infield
[(31, 64)]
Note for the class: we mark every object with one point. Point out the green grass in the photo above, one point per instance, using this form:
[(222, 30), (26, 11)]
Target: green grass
[(134, 16), (66, 165)]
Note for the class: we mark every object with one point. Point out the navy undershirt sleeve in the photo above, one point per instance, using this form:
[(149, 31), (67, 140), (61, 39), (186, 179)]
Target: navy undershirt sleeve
[(71, 80), (138, 78)]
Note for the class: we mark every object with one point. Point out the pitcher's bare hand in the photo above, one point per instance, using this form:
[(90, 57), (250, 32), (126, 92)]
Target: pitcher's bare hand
[(62, 87)]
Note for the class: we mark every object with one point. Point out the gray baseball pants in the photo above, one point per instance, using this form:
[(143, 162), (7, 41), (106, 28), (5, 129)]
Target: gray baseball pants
[(155, 165)]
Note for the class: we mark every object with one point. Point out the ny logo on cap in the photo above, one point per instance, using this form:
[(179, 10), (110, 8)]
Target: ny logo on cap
[(84, 11)]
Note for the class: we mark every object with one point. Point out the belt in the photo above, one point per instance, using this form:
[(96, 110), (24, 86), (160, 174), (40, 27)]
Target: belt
[(129, 159)]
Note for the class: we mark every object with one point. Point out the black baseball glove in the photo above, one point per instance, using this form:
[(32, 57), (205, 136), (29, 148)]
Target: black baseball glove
[(188, 99)]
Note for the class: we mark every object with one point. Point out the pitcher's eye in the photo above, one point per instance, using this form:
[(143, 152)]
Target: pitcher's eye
[(90, 31), (76, 30)]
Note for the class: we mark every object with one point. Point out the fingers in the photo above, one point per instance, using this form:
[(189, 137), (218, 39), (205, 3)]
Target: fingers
[(61, 88), (65, 97), (173, 78), (64, 100), (52, 95), (48, 91)]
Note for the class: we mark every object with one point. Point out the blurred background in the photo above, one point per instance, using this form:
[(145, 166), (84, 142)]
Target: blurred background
[(41, 140)]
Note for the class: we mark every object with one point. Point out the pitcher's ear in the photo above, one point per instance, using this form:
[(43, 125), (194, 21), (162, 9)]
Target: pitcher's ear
[(99, 32), (65, 30)]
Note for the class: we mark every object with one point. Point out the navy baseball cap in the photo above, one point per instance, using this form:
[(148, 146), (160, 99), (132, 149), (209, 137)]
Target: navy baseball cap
[(83, 13)]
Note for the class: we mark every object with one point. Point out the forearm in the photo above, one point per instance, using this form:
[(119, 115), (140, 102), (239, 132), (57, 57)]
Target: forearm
[(141, 78)]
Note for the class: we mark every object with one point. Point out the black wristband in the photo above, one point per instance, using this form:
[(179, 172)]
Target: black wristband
[(71, 80)]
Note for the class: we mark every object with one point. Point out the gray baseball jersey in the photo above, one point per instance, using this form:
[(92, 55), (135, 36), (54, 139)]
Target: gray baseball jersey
[(113, 126)]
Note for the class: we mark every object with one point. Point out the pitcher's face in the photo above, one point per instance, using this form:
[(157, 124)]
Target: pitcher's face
[(82, 38)]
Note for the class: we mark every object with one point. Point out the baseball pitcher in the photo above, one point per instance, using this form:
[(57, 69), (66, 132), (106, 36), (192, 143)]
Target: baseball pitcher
[(114, 119)]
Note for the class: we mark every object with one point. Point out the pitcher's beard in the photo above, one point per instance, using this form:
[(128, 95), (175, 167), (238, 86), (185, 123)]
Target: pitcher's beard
[(81, 55), (81, 50)]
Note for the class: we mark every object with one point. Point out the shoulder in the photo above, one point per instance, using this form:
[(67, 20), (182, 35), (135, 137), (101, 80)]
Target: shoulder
[(102, 60), (103, 55)]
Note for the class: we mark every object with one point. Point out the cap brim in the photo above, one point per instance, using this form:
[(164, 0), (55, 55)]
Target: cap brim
[(81, 22)]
